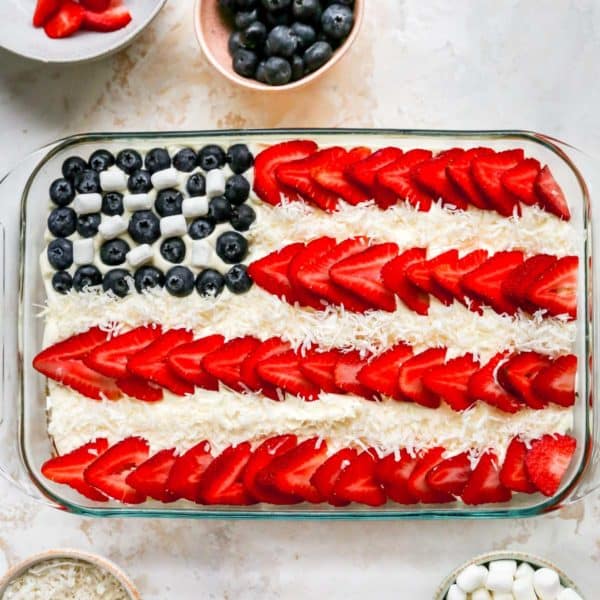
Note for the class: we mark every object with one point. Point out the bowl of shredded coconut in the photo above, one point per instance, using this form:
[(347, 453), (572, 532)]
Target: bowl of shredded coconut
[(66, 575)]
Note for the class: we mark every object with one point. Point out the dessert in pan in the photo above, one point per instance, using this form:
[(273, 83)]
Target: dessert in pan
[(294, 322)]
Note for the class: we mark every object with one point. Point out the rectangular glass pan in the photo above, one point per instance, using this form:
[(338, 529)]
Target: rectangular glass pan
[(25, 443)]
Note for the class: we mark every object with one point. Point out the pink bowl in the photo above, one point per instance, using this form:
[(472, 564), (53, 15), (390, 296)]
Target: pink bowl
[(213, 32)]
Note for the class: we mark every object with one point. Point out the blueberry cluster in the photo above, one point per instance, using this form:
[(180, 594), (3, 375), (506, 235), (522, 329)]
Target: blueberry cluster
[(108, 196), (278, 41)]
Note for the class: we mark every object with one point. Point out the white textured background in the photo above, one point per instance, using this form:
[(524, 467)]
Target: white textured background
[(530, 64)]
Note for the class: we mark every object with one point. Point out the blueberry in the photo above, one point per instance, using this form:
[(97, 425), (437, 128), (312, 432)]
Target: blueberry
[(237, 189), (86, 276), (235, 42), (168, 202), (62, 192), (273, 18), (307, 10), (129, 160), (201, 228), (245, 4), (114, 252), (219, 209), (62, 222), (245, 62), (244, 18), (157, 159), (240, 158), (278, 71), (60, 254), (232, 247), (237, 279), (297, 67), (73, 166), (281, 41), (173, 250), (317, 55), (337, 21), (276, 4), (144, 227), (88, 182), (211, 157), (139, 182), (210, 283), (196, 185), (260, 74), (117, 281), (100, 160), (254, 35), (112, 204), (87, 225), (62, 282), (305, 34), (185, 160), (228, 5), (179, 281), (148, 277), (242, 218)]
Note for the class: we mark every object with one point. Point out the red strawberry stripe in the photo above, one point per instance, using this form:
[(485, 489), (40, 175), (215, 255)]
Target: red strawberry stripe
[(451, 475), (417, 482), (151, 477), (325, 477), (187, 471), (249, 370), (556, 382), (450, 381), (186, 361), (283, 371), (346, 374), (365, 171), (550, 195), (410, 377), (513, 474), (358, 482), (459, 173), (393, 473), (319, 368), (381, 373), (484, 485), (520, 180)]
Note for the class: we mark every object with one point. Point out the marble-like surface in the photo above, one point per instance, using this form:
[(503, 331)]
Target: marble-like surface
[(436, 64)]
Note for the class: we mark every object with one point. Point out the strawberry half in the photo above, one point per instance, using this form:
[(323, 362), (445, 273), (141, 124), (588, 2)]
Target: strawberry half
[(185, 361), (187, 471), (548, 461), (346, 371), (382, 372), (451, 475), (68, 468), (249, 370), (484, 485), (513, 474), (66, 21), (550, 195), (77, 346), (109, 471), (325, 477), (418, 486), (450, 381), (459, 173), (319, 368), (95, 5), (556, 382), (421, 275), (410, 378), (517, 374), (266, 186), (393, 472), (283, 371), (360, 274), (111, 19), (520, 180), (357, 482), (365, 171), (140, 389), (44, 10), (151, 477)]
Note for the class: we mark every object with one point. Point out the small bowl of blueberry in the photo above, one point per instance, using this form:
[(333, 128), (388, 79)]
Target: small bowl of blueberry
[(276, 44)]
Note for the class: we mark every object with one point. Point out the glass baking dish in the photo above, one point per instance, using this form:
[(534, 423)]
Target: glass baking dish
[(25, 442)]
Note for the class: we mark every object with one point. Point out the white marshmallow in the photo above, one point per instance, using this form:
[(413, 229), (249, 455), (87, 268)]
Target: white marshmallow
[(113, 180), (481, 594), (505, 566), (85, 204), (455, 593), (165, 179), (568, 594), (113, 226), (215, 183), (139, 255), (524, 570), (499, 581), (195, 207), (201, 253), (502, 596), (523, 589), (546, 583), (173, 225), (133, 202), (83, 251), (472, 578)]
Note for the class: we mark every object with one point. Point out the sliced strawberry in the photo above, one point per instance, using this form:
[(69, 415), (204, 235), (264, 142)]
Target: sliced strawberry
[(109, 471), (68, 468), (381, 373), (487, 172), (283, 371), (225, 363), (451, 381), (459, 173), (261, 458), (77, 346), (139, 388), (410, 378), (44, 11), (556, 383), (486, 281), (365, 171), (95, 5), (222, 482), (548, 461), (271, 272), (151, 364), (360, 274), (484, 386), (484, 485), (550, 195), (556, 289), (249, 370), (451, 475), (393, 472), (327, 474), (357, 482), (421, 275), (395, 279), (185, 361), (319, 368), (66, 21), (112, 19), (291, 472), (516, 375), (187, 471), (520, 180), (346, 371), (151, 477), (266, 186), (513, 474), (417, 484)]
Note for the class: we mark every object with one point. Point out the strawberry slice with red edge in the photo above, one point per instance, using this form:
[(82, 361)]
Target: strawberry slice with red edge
[(421, 275), (186, 361), (484, 386), (187, 471), (249, 370), (382, 372), (513, 474), (393, 472), (410, 377), (417, 484), (140, 389), (68, 468), (346, 371), (319, 368), (44, 11), (550, 195), (110, 470), (111, 19), (76, 347), (484, 485), (365, 171), (556, 382), (394, 275), (151, 477), (520, 180), (266, 186), (517, 374), (67, 21), (283, 371), (361, 275), (459, 173), (327, 474), (451, 475), (548, 461), (450, 381), (358, 483)]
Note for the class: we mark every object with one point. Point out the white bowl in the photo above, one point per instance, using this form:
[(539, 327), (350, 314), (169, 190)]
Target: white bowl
[(18, 35)]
